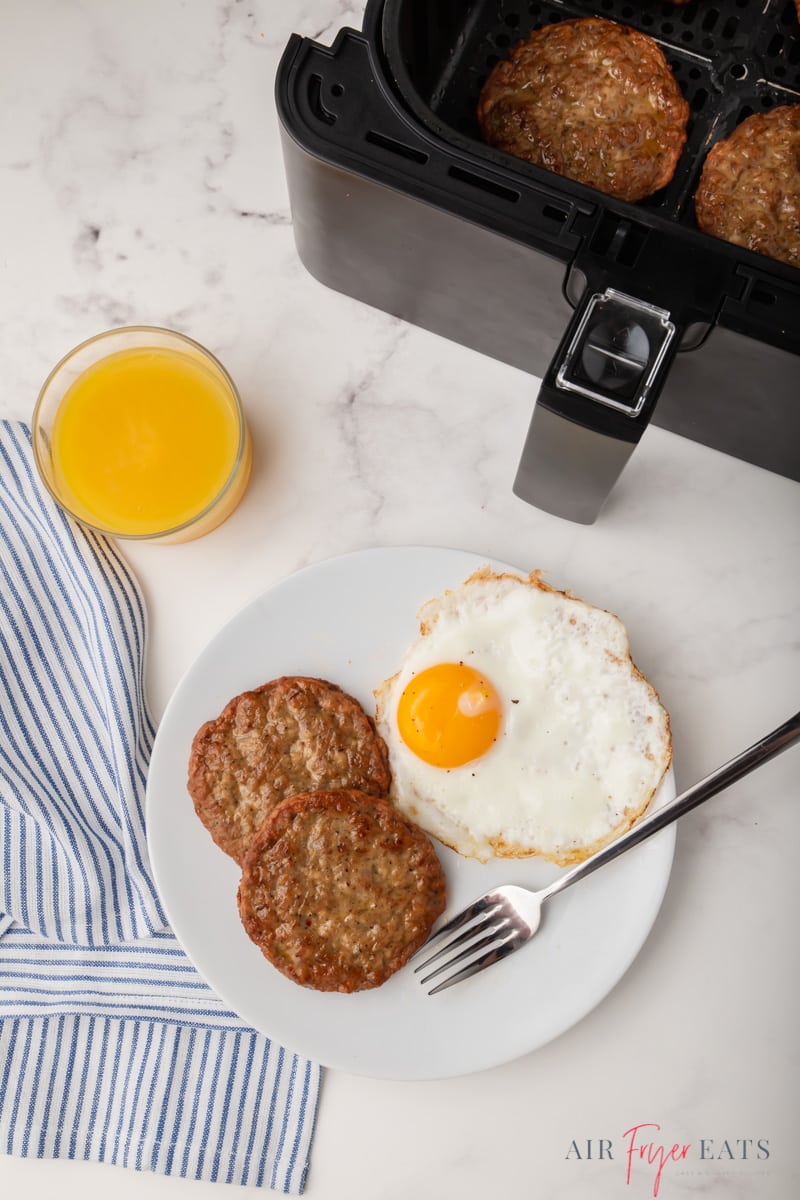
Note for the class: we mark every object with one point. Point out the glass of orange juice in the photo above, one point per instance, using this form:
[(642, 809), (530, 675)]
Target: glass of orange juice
[(139, 432)]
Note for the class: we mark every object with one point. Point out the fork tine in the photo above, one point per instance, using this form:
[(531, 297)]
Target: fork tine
[(479, 964), (488, 903), (489, 939), (484, 926), (480, 913)]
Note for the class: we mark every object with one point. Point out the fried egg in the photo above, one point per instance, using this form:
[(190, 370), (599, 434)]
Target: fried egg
[(518, 724)]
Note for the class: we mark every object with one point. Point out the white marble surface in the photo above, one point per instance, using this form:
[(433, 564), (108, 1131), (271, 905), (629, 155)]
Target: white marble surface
[(141, 181)]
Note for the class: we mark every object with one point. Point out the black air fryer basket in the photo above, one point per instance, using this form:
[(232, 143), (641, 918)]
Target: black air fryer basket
[(626, 311)]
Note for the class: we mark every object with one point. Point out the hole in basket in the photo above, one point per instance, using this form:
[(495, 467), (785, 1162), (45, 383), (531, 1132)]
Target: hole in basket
[(485, 185), (315, 101), (554, 214), (763, 295), (395, 147), (738, 71)]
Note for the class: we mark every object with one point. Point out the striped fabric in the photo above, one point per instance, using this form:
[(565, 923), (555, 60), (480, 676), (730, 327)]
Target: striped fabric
[(112, 1047)]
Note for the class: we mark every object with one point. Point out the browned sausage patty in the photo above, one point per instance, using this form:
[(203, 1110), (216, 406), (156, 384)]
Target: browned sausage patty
[(339, 889), (291, 735), (749, 190), (591, 100)]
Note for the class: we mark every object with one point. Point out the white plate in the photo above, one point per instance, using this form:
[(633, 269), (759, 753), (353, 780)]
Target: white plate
[(350, 620)]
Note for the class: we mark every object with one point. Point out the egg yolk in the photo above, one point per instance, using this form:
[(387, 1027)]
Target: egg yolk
[(449, 714)]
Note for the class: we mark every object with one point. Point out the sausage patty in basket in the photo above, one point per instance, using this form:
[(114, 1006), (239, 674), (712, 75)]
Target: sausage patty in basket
[(749, 191), (592, 100), (339, 889)]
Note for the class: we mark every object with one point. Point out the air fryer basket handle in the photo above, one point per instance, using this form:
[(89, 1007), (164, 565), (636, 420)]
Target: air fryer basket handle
[(595, 401)]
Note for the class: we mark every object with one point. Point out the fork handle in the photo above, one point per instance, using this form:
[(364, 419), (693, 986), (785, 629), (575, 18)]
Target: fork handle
[(760, 752)]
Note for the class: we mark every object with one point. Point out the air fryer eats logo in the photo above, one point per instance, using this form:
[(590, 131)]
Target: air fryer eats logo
[(649, 1158)]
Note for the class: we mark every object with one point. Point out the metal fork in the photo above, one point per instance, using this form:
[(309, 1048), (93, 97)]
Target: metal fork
[(502, 920)]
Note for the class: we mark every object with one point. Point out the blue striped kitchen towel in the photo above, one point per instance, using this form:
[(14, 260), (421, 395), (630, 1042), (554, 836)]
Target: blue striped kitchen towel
[(112, 1047)]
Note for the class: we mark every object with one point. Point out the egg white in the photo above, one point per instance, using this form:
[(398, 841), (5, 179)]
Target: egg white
[(584, 739)]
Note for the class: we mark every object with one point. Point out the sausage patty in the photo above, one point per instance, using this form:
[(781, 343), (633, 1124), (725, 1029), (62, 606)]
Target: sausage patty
[(749, 190), (592, 100), (291, 735), (339, 889)]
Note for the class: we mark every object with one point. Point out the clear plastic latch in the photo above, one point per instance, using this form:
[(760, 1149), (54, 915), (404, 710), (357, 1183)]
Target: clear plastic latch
[(617, 351)]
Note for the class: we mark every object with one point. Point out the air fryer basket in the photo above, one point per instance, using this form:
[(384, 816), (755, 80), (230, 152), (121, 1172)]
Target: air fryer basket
[(599, 392), (731, 58), (397, 201)]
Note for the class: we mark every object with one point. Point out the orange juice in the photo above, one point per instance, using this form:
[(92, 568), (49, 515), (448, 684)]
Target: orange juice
[(147, 439)]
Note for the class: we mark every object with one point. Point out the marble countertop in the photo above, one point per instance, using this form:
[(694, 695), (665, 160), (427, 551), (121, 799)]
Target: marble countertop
[(141, 181)]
